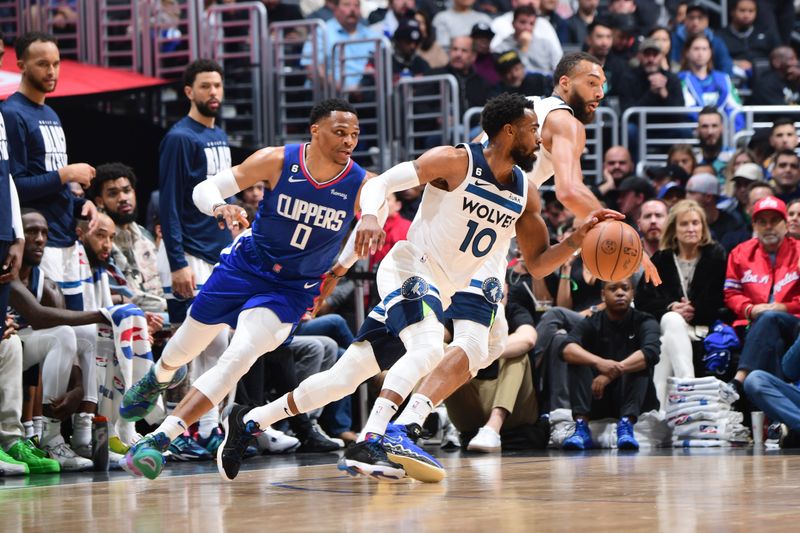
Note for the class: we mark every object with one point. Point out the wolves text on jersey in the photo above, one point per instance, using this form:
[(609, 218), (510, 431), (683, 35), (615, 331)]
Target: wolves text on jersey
[(489, 214)]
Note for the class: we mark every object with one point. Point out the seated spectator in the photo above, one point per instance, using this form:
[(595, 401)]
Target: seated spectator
[(689, 299), (345, 26), (542, 55), (740, 181), (782, 136), (695, 24), (556, 216), (485, 60), (114, 191), (502, 26), (705, 190), (385, 21), (777, 16), (755, 192), (611, 356), (631, 194), (740, 157), (793, 218), (396, 229), (747, 44), (644, 13), (457, 21), (786, 175), (662, 36), (617, 165), (405, 60), (599, 40), (625, 35), (325, 12), (578, 23), (762, 288), (514, 79), (711, 149), (683, 156), (650, 84), (703, 85), (781, 84), (651, 222), (252, 196), (501, 397), (429, 49), (547, 11)]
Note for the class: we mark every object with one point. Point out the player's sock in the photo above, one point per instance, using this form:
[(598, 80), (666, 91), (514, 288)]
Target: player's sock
[(28, 427), (162, 374), (208, 422), (266, 415), (172, 427), (38, 422), (382, 412), (82, 430), (50, 430), (416, 411)]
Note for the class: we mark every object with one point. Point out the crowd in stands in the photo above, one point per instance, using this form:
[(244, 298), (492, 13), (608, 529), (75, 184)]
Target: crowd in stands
[(721, 223)]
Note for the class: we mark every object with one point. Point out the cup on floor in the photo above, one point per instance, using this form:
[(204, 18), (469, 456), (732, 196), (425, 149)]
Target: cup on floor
[(757, 420)]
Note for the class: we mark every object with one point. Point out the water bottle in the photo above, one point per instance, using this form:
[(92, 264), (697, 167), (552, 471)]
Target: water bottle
[(100, 443)]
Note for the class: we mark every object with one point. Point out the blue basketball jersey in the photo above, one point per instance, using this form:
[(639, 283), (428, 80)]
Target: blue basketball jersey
[(301, 223)]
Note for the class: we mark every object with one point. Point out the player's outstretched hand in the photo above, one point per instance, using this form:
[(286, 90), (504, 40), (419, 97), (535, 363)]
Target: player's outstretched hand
[(232, 216), (576, 239), (369, 236), (650, 271)]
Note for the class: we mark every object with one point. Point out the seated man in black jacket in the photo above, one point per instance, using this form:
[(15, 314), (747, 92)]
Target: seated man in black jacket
[(611, 356), (649, 84), (514, 78), (781, 84)]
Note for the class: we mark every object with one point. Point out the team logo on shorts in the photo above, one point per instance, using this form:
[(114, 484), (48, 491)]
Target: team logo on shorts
[(492, 290), (414, 288)]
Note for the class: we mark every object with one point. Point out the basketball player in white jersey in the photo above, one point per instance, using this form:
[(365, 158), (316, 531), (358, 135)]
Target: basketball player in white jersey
[(477, 200)]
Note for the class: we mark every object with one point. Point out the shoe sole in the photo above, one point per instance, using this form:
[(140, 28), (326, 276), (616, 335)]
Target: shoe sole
[(380, 473), (628, 448), (483, 449), (220, 469), (417, 469), (573, 448)]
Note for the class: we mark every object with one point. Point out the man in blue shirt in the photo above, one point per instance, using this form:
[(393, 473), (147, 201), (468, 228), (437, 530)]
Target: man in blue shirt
[(194, 149), (37, 151)]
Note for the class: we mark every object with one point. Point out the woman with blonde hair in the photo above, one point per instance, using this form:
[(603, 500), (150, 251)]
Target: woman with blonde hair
[(688, 301)]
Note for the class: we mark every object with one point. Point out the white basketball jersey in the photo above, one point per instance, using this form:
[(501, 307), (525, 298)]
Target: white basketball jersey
[(461, 229), (543, 168)]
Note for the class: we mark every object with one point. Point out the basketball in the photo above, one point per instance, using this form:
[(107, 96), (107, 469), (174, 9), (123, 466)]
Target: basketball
[(612, 250)]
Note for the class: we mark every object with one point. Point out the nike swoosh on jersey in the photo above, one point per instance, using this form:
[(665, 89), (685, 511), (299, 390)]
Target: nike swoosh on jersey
[(293, 180), (309, 285)]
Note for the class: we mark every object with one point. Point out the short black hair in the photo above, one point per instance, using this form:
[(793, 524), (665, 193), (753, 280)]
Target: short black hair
[(710, 110), (781, 121), (196, 67), (786, 152), (599, 22), (25, 41), (109, 172), (326, 107), (758, 184), (570, 61), (503, 109), (30, 211), (524, 10)]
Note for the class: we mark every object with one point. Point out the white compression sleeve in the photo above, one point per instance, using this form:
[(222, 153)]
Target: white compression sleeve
[(213, 191), (398, 178), (348, 257), (16, 213)]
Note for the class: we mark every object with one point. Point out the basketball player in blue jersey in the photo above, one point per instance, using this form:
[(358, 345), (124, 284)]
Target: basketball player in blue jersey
[(267, 279), (475, 201)]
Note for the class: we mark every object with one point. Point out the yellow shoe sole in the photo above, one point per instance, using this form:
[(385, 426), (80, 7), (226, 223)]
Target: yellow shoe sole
[(419, 470)]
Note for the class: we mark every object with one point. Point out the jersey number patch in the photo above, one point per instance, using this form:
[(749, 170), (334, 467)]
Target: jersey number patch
[(480, 243), (300, 237)]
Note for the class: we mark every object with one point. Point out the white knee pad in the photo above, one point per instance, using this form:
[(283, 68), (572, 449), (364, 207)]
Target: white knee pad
[(356, 365), (473, 339), (259, 331), (210, 354), (87, 348), (61, 348), (424, 350)]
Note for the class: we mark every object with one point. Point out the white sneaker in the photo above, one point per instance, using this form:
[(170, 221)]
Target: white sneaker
[(114, 459), (69, 460), (11, 469), (487, 441), (451, 439), (274, 441), (315, 425)]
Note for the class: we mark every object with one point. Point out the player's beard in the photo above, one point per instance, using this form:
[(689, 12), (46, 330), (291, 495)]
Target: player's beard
[(205, 110), (522, 158), (123, 219), (578, 105), (40, 86)]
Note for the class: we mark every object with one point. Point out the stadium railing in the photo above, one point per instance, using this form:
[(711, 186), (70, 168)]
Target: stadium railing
[(426, 108)]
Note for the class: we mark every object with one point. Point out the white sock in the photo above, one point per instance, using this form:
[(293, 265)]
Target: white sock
[(172, 427), (208, 422), (28, 426), (382, 412), (266, 415), (125, 430), (162, 375), (38, 421), (416, 411), (82, 429), (51, 429)]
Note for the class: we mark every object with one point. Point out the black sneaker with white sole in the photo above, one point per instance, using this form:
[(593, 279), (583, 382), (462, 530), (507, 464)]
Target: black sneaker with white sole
[(369, 458), (238, 436)]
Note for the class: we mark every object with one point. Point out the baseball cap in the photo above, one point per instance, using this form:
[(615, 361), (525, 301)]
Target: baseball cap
[(408, 30), (703, 183), (673, 172), (481, 29), (649, 44), (507, 60), (697, 7), (637, 184), (670, 187), (770, 203), (749, 171)]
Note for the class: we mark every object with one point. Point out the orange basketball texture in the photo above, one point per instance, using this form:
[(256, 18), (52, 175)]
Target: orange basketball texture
[(612, 250)]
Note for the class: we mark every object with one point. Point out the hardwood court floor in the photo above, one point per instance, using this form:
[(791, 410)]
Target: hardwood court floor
[(667, 491)]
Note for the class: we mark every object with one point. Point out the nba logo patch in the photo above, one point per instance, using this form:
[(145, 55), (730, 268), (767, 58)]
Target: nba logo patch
[(414, 288), (492, 290)]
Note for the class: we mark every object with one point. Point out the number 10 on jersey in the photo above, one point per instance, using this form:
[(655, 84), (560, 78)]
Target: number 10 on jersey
[(478, 242)]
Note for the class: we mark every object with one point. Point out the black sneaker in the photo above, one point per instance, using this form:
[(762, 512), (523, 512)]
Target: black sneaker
[(238, 437), (317, 443), (369, 458)]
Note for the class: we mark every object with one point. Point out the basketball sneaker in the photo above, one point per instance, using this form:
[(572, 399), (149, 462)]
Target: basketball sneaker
[(238, 437), (185, 448), (625, 438), (146, 457), (400, 443), (486, 441), (274, 441), (581, 438), (25, 451), (70, 461), (141, 398), (369, 458), (10, 466), (212, 442)]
